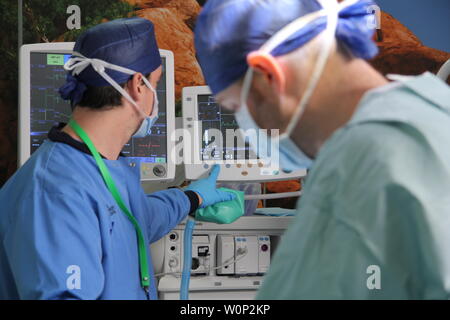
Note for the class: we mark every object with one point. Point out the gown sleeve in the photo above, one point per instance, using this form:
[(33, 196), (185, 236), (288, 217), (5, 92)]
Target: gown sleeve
[(165, 209)]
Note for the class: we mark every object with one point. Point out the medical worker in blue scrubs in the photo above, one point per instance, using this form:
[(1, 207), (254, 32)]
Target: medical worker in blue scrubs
[(74, 220), (374, 218)]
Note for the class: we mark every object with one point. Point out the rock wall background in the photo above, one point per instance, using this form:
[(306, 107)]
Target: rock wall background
[(174, 23), (400, 52), (403, 53)]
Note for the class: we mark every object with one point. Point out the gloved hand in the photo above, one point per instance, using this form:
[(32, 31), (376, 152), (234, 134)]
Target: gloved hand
[(206, 189), (223, 212)]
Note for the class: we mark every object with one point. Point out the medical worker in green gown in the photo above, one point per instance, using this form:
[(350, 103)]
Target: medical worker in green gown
[(374, 219)]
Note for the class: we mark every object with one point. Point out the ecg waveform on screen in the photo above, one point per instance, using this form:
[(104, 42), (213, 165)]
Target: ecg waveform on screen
[(213, 116), (229, 122), (47, 109), (46, 106)]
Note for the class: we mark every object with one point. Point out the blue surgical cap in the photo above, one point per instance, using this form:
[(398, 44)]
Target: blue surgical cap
[(228, 30), (128, 43)]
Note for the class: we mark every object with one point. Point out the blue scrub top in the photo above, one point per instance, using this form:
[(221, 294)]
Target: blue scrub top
[(62, 235)]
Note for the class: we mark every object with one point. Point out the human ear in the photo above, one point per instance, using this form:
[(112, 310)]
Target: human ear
[(134, 86), (270, 67)]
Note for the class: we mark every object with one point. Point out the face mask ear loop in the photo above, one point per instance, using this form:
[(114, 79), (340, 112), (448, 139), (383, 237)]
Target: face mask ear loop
[(155, 109), (322, 59), (122, 91), (243, 109), (290, 29), (246, 86), (332, 10), (78, 64)]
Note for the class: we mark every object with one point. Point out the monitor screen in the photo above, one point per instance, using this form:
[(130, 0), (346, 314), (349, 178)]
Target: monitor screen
[(47, 109), (213, 116), (211, 135)]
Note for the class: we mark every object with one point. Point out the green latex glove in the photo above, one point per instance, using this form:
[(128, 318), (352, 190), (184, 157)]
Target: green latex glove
[(223, 212)]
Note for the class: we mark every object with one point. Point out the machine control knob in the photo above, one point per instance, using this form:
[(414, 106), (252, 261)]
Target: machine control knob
[(159, 171)]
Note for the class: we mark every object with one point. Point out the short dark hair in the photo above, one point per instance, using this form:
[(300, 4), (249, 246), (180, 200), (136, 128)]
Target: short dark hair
[(100, 97)]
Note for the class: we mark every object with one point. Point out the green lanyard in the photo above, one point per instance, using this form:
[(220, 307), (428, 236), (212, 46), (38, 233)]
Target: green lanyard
[(143, 260)]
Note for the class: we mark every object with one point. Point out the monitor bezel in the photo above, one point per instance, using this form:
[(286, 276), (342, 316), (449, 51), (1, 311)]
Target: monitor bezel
[(24, 149), (231, 170)]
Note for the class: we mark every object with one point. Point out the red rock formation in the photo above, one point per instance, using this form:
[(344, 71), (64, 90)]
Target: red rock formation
[(403, 53), (173, 34), (148, 3), (283, 186), (187, 8), (173, 20)]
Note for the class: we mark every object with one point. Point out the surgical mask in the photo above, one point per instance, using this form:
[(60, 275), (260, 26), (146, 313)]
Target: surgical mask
[(78, 63), (292, 157), (147, 124)]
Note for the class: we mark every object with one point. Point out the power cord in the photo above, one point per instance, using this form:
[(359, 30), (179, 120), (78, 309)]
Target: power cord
[(241, 253)]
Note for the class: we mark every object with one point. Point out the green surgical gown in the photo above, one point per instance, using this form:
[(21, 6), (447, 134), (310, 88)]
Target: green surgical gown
[(374, 219)]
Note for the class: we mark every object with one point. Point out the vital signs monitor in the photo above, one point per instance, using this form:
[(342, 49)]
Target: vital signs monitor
[(41, 107), (207, 123)]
